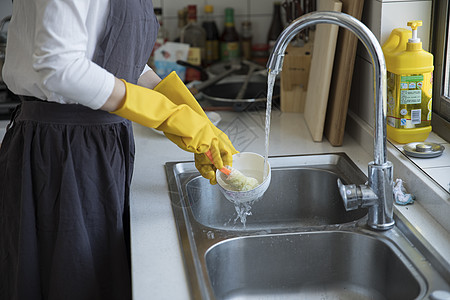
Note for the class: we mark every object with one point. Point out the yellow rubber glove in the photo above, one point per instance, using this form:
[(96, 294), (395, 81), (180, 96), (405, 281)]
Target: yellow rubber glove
[(189, 130), (174, 89)]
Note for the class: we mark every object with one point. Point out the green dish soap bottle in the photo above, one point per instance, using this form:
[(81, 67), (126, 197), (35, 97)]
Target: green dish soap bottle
[(410, 85)]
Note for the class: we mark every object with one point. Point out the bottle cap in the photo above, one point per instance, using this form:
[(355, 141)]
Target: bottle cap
[(208, 8), (192, 13), (229, 15), (414, 25), (423, 149)]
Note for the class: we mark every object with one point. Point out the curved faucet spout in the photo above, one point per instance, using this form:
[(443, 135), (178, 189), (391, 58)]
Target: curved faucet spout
[(380, 170), (275, 63)]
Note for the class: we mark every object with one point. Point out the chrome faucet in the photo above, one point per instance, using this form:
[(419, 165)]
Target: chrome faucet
[(377, 194)]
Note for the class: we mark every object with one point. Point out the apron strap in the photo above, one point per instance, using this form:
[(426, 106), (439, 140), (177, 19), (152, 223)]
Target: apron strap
[(14, 115)]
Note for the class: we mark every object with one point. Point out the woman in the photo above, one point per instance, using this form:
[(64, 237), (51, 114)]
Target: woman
[(66, 161)]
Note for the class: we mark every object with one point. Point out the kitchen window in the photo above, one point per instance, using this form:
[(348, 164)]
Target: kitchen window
[(440, 47)]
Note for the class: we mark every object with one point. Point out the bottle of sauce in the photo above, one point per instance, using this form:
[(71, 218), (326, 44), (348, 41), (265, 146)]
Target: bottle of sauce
[(276, 26), (212, 36), (194, 35), (260, 53), (229, 41), (246, 40)]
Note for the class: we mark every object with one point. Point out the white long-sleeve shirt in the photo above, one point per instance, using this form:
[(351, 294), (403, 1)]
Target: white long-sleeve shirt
[(50, 48)]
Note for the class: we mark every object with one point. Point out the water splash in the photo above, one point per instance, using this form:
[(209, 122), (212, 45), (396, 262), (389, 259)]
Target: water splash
[(210, 235), (243, 209)]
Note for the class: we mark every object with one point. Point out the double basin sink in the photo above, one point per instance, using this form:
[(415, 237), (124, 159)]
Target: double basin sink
[(298, 242)]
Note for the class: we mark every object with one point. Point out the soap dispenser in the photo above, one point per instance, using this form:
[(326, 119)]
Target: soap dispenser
[(410, 83)]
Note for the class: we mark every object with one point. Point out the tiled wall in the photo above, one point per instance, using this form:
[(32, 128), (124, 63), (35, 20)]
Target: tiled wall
[(259, 12)]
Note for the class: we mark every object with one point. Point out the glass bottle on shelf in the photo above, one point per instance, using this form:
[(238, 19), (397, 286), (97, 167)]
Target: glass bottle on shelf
[(229, 40), (194, 35), (246, 40), (182, 13), (276, 26), (161, 38), (260, 53), (212, 36), (163, 33)]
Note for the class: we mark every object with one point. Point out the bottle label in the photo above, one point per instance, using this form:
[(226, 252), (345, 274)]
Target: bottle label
[(410, 89), (409, 100), (229, 50), (247, 48), (212, 50), (194, 58)]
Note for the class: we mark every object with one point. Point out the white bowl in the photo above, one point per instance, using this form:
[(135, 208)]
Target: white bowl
[(252, 165), (213, 117)]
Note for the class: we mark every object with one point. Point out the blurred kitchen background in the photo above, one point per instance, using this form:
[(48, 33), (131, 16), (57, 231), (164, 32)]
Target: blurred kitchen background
[(349, 108), (259, 12), (381, 16)]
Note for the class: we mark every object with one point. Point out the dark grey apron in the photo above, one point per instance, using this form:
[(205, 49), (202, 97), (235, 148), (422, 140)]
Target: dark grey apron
[(65, 173)]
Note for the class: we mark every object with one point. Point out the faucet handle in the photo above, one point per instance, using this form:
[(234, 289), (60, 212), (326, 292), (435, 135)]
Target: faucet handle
[(356, 196), (349, 194)]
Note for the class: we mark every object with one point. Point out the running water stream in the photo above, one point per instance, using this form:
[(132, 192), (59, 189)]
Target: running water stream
[(243, 209), (270, 83)]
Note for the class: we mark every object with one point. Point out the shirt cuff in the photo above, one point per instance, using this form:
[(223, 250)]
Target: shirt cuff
[(146, 69), (104, 93)]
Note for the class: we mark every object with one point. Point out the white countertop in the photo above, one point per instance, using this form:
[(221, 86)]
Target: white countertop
[(157, 266), (158, 271)]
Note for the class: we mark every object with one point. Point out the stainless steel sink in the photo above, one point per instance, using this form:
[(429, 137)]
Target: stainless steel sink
[(308, 197), (317, 265), (299, 242), (298, 196)]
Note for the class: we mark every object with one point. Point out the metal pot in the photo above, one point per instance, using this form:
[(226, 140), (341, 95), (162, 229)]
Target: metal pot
[(238, 86), (224, 93), (3, 45)]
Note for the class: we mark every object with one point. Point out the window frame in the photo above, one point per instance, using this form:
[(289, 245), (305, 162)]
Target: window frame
[(440, 47)]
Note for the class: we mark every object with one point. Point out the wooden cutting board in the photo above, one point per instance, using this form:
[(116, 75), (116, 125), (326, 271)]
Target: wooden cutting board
[(320, 71), (341, 79)]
